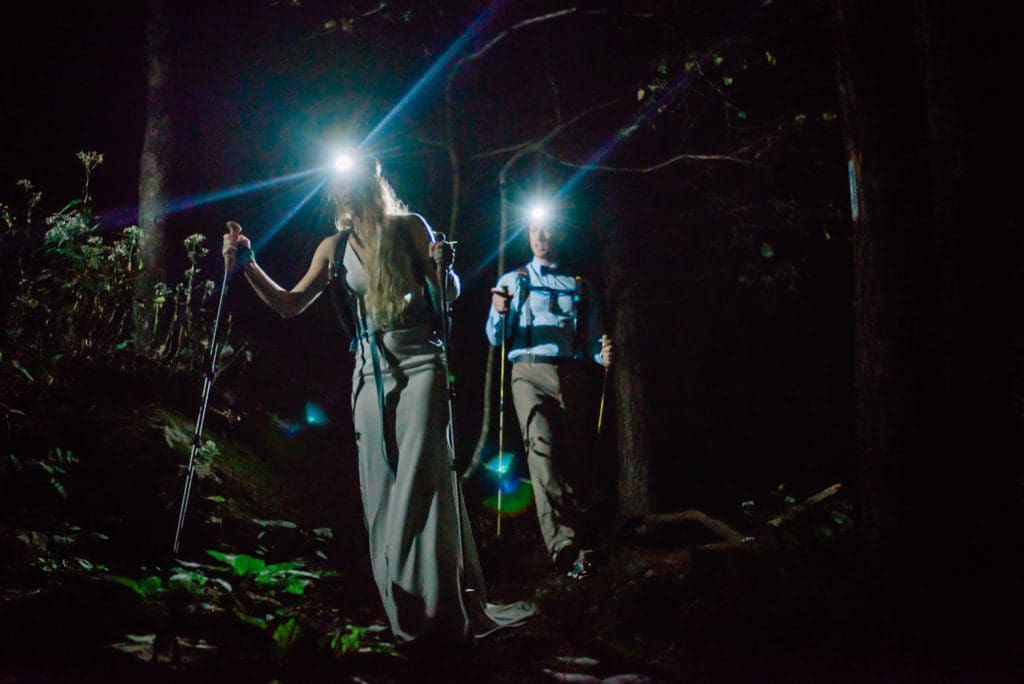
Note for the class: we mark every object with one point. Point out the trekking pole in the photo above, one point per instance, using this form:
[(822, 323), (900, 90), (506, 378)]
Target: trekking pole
[(442, 277), (209, 372), (604, 392), (501, 413)]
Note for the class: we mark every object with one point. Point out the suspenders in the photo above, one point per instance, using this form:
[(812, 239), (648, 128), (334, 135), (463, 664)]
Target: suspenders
[(579, 299), (523, 289), (523, 280)]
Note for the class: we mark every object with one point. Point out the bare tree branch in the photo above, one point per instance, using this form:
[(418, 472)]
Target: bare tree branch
[(747, 543), (826, 493), (731, 538), (557, 14), (554, 86), (654, 167), (505, 150), (424, 140), (539, 143), (723, 530), (515, 27)]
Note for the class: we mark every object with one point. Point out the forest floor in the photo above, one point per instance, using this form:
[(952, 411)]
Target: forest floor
[(89, 594), (649, 613)]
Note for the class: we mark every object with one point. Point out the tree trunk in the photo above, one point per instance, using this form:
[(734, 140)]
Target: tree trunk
[(632, 413), (931, 265), (890, 218), (156, 149)]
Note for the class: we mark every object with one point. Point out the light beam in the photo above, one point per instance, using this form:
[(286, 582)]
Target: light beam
[(289, 215), (436, 67)]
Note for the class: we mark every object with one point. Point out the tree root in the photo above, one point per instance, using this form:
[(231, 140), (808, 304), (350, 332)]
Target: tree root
[(731, 538), (810, 501), (716, 526)]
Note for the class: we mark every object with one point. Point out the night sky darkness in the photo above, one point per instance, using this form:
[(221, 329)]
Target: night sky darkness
[(73, 79)]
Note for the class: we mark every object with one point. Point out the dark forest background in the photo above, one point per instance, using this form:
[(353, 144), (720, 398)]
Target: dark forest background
[(725, 251), (796, 213)]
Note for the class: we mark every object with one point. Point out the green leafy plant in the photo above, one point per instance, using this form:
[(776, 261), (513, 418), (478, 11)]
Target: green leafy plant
[(70, 289), (286, 577), (55, 465), (68, 304), (145, 587), (356, 639), (286, 635), (263, 598)]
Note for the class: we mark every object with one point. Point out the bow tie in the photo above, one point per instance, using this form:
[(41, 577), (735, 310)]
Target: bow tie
[(548, 270)]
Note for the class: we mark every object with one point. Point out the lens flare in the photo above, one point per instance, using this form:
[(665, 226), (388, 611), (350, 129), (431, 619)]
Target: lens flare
[(286, 427), (516, 495), (500, 464), (315, 415)]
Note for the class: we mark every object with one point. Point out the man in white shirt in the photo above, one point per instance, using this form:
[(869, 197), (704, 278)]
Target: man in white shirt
[(552, 327)]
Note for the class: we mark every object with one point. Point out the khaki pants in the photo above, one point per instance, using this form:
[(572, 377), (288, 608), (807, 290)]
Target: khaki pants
[(550, 405)]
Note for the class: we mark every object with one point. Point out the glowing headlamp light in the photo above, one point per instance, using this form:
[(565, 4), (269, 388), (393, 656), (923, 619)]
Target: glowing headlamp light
[(539, 212), (344, 162)]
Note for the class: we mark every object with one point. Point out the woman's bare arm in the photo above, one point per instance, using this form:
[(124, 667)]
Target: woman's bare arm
[(289, 303)]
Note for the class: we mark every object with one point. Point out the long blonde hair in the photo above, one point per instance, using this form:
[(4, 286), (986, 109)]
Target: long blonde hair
[(388, 259)]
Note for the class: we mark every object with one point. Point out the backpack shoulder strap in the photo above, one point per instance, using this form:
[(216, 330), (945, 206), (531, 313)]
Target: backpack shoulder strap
[(523, 303), (579, 308), (338, 288), (410, 248), (337, 265), (430, 292)]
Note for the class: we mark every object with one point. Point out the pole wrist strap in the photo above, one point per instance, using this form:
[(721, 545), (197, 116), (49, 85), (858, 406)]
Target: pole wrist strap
[(245, 255)]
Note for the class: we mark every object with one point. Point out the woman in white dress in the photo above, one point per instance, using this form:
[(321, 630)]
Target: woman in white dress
[(385, 261)]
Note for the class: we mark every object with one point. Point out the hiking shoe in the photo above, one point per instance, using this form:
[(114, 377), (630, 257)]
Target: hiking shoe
[(565, 557), (580, 569)]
